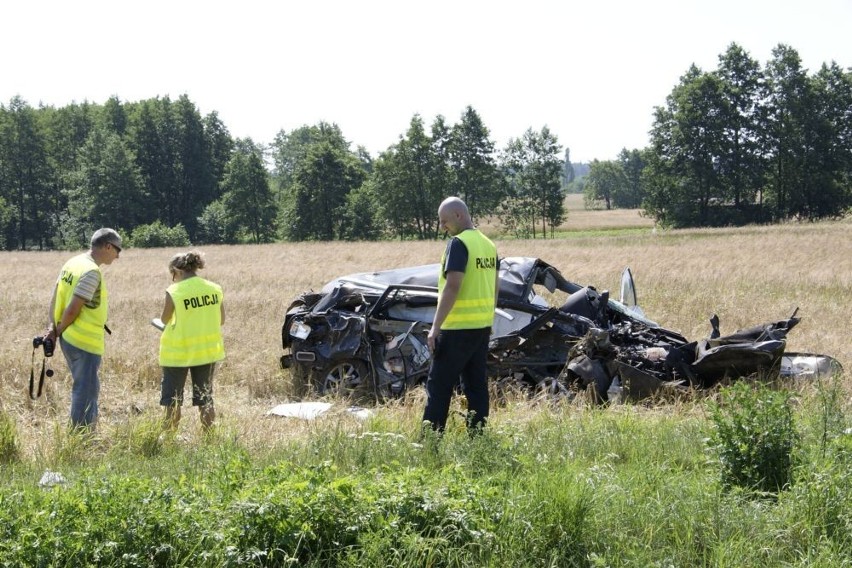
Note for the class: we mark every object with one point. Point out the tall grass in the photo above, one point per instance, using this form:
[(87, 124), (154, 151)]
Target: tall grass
[(565, 485), (557, 485), (9, 445)]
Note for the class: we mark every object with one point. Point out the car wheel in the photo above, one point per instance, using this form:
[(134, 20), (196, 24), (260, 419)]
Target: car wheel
[(349, 378)]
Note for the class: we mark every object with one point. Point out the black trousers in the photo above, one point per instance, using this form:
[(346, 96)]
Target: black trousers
[(460, 355)]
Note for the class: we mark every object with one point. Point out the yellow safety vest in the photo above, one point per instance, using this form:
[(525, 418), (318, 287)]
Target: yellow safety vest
[(474, 307), (87, 331), (194, 334)]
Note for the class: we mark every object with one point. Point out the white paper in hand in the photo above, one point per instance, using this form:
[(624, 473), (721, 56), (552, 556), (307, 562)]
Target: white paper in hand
[(158, 323)]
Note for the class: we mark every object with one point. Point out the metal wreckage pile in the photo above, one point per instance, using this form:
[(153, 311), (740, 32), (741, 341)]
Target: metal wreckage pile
[(365, 335)]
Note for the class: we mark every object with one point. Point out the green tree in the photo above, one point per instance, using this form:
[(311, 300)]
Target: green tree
[(517, 215), (113, 116), (789, 103), (410, 179), (248, 197), (196, 184), (290, 148), (66, 130), (25, 176), (365, 158), (385, 181), (107, 188), (216, 225), (606, 180), (288, 152), (181, 157), (5, 219), (156, 235), (827, 191), (322, 181), (739, 162), (534, 170), (633, 164), (442, 177), (152, 140), (220, 145), (472, 160), (686, 140), (735, 143), (359, 220)]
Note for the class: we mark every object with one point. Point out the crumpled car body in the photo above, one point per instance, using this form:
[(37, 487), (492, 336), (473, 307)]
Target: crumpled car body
[(366, 333)]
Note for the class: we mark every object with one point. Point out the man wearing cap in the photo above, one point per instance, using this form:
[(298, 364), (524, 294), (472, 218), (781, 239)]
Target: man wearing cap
[(78, 314)]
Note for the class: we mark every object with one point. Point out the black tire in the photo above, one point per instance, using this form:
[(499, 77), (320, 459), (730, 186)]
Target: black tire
[(348, 378)]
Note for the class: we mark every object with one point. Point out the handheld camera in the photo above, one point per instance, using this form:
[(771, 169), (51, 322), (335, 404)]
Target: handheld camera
[(48, 345)]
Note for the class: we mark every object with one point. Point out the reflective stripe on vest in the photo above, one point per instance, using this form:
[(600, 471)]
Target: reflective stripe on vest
[(194, 334), (86, 332), (474, 306)]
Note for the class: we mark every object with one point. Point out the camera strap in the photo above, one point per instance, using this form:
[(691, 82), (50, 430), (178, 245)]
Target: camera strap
[(32, 378)]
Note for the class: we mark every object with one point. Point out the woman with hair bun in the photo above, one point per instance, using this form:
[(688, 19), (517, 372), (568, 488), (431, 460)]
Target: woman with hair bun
[(193, 315)]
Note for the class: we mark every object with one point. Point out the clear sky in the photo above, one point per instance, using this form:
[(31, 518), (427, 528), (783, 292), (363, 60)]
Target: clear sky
[(590, 71)]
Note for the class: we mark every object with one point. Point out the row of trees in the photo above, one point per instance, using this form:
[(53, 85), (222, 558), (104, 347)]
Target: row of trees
[(163, 174), (735, 145), (66, 171), (740, 144), (324, 191)]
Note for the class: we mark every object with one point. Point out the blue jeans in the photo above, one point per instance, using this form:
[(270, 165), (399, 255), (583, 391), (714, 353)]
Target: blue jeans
[(84, 394)]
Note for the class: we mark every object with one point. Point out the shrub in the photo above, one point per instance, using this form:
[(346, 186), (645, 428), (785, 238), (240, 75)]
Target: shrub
[(158, 235), (754, 437), (215, 224)]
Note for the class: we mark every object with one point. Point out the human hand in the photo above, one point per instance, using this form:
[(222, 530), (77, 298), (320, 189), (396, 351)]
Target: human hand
[(431, 339)]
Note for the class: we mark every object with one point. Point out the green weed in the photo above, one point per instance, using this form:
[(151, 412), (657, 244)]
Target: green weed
[(10, 449), (754, 437), (541, 486)]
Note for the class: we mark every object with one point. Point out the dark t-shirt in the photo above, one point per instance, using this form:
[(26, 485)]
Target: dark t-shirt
[(456, 260)]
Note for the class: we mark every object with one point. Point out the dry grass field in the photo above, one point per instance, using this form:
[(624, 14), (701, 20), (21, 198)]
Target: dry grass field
[(578, 219), (747, 276)]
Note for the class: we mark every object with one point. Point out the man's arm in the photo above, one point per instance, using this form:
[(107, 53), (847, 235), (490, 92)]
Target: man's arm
[(445, 303), (72, 310), (51, 326)]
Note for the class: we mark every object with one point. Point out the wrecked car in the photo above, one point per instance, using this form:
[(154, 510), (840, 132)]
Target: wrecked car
[(365, 334)]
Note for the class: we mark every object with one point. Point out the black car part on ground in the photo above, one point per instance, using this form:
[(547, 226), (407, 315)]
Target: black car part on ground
[(366, 333)]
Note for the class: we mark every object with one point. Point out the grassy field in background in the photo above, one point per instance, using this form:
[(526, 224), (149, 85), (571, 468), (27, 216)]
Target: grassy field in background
[(746, 276), (580, 222), (636, 478)]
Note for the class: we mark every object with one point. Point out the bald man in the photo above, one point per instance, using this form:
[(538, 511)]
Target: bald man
[(458, 339)]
